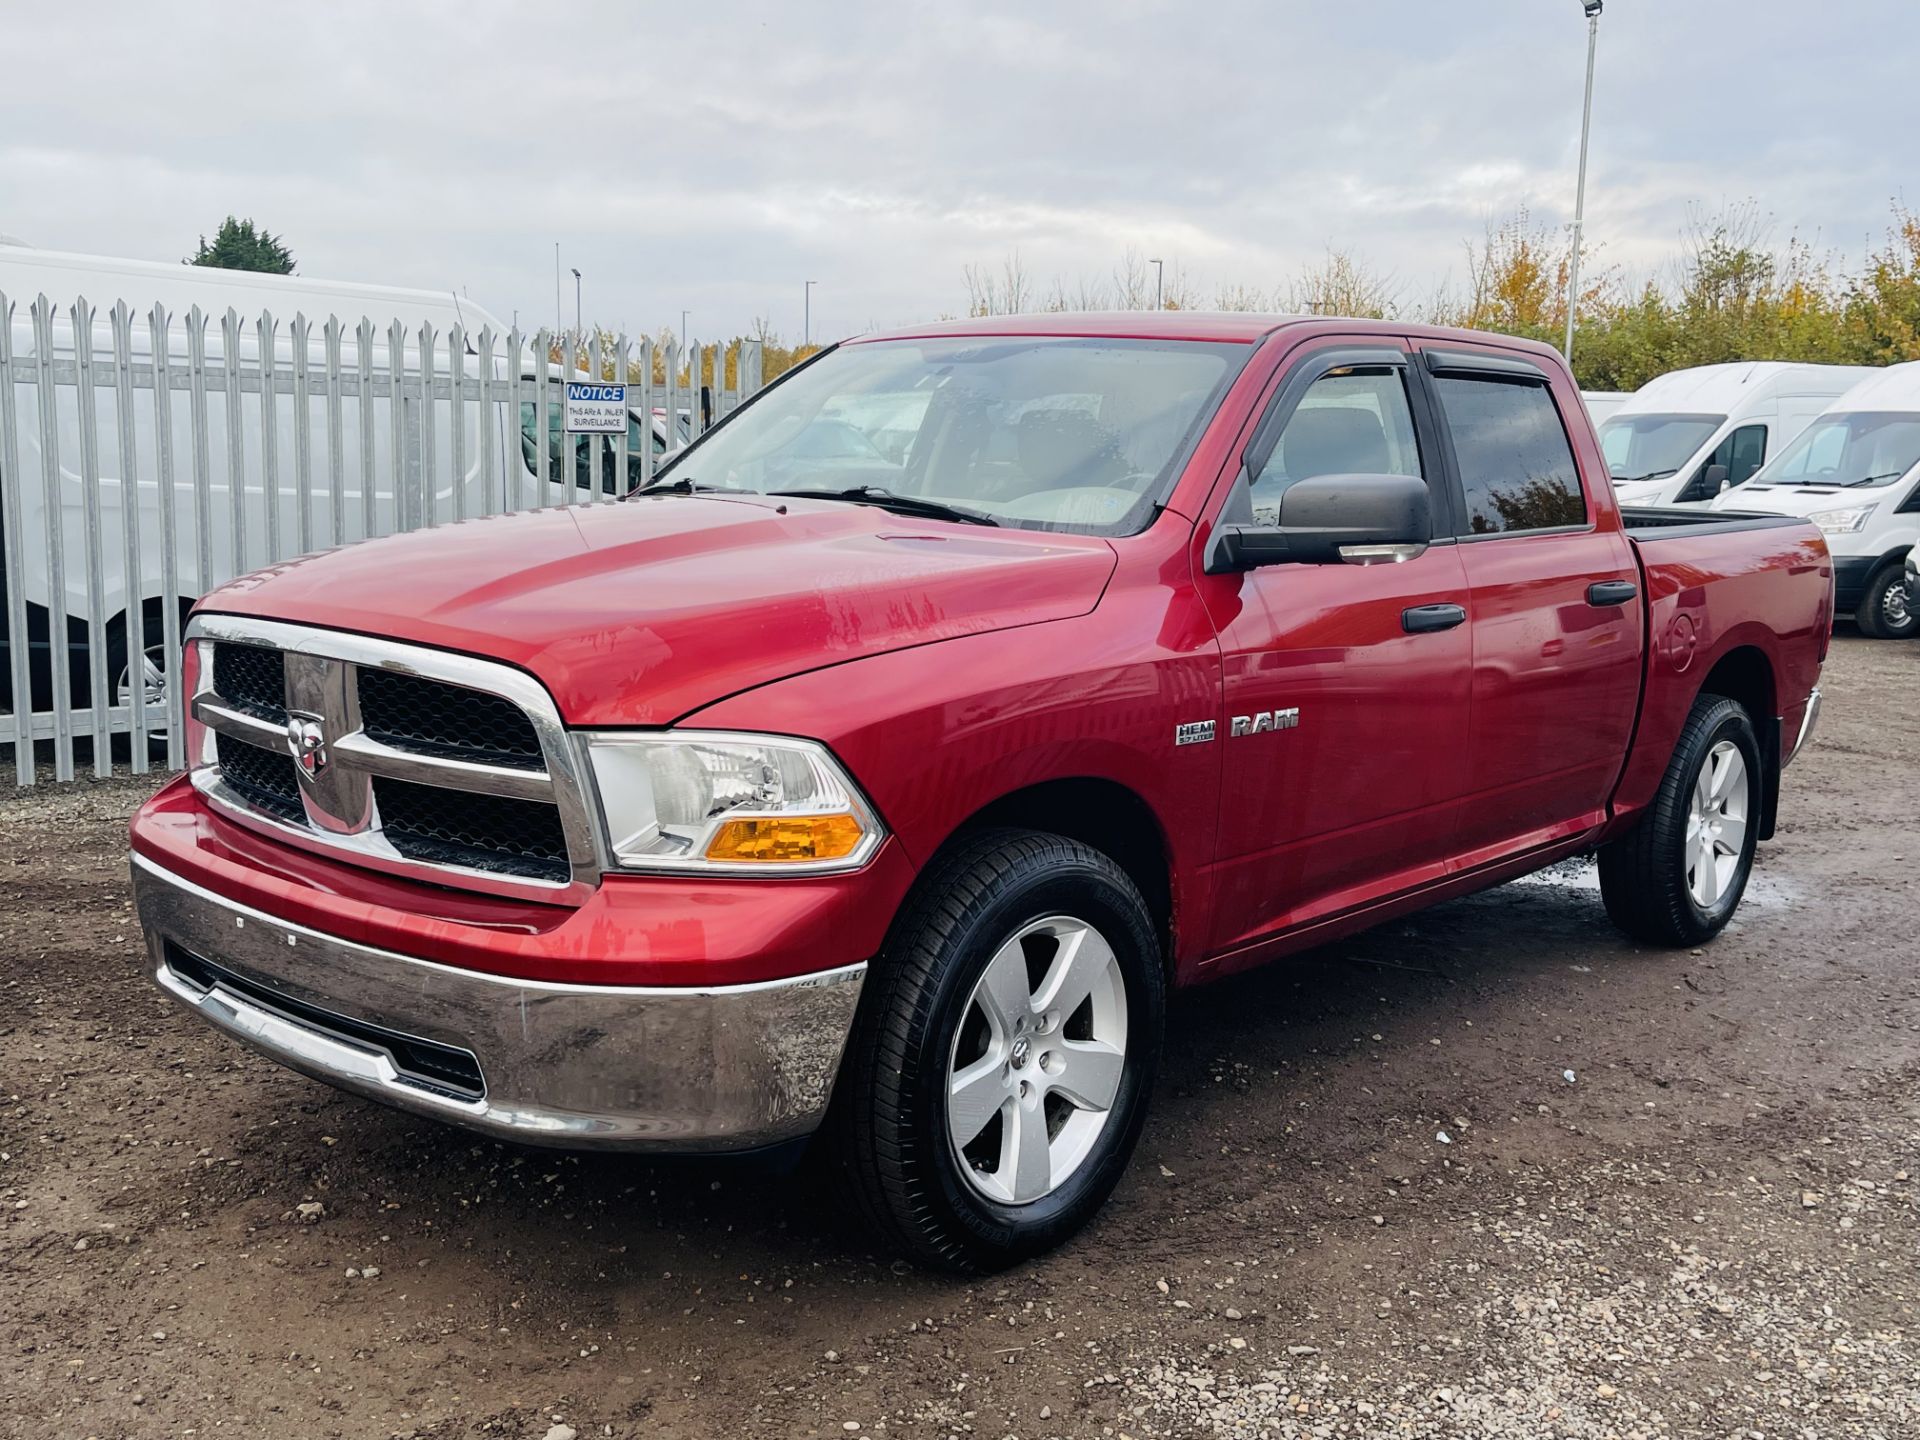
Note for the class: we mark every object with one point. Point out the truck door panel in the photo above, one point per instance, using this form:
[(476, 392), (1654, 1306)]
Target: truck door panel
[(1350, 762)]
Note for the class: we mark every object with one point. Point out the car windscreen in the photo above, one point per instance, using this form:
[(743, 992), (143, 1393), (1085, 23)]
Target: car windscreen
[(1862, 448), (1038, 432), (1647, 447)]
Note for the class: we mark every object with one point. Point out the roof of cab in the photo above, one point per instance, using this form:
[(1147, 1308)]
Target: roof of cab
[(1227, 326)]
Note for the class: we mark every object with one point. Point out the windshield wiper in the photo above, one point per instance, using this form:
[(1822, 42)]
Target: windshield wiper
[(1874, 479), (1650, 475), (690, 486), (893, 500)]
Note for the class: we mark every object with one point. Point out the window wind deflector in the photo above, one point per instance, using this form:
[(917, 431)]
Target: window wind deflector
[(892, 500), (1477, 363)]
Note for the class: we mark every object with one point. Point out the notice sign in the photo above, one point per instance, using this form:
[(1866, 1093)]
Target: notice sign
[(596, 409)]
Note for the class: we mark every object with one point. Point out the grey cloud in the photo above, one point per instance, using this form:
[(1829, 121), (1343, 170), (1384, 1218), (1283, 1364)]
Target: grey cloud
[(715, 159)]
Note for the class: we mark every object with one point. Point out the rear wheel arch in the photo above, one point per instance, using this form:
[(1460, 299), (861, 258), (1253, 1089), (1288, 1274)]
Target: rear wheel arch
[(1745, 675)]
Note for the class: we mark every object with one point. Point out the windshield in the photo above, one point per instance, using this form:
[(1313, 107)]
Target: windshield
[(1862, 448), (1646, 447), (1042, 432)]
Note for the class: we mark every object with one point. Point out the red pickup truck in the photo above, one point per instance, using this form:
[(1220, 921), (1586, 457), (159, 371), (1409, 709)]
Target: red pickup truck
[(880, 769)]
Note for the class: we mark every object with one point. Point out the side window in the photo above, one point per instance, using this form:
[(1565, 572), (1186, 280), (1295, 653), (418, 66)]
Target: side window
[(1516, 464), (1742, 452), (1749, 453), (1350, 422)]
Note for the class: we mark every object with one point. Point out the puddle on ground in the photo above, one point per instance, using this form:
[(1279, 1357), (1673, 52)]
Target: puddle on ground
[(1764, 891)]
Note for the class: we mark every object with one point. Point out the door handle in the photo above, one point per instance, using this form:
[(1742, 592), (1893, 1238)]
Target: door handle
[(1424, 619), (1611, 592)]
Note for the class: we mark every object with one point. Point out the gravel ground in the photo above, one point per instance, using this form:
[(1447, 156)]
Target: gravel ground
[(1490, 1172)]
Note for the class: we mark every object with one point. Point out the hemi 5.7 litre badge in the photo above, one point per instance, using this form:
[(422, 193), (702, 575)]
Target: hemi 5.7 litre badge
[(1194, 732), (1265, 720)]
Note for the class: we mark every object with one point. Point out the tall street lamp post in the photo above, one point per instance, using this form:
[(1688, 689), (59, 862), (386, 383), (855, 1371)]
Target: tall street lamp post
[(1592, 7), (1158, 275), (806, 324)]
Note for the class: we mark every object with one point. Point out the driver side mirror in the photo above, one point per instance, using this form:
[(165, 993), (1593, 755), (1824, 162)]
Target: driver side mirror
[(1718, 482), (1329, 520)]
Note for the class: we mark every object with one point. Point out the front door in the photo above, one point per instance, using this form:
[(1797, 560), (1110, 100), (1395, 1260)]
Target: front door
[(1346, 686)]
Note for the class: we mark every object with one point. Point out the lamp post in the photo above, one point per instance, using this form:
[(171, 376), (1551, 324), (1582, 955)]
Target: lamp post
[(1592, 8), (1158, 274), (683, 329), (576, 307), (806, 324)]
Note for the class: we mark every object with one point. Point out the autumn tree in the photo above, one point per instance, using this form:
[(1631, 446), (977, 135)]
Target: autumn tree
[(1340, 283), (1882, 305)]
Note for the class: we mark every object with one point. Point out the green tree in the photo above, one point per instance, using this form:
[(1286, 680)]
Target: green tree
[(237, 245)]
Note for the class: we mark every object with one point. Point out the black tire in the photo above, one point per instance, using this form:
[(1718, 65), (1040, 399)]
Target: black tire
[(1644, 874), (1887, 609), (890, 1135)]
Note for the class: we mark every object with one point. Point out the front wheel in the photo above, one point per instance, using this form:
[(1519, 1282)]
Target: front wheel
[(998, 1074), (1677, 877), (1887, 609)]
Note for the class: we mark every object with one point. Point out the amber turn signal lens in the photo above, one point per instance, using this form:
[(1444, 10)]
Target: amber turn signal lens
[(792, 837)]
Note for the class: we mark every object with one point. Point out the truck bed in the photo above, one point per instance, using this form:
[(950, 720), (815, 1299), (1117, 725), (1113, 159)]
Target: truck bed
[(1752, 592), (1658, 522)]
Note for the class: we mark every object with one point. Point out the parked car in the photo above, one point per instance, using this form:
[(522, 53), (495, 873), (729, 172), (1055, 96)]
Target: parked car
[(1683, 437), (1174, 644), (1855, 472)]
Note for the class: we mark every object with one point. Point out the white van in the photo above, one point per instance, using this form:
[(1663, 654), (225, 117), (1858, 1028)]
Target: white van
[(1855, 472), (1681, 437), (254, 451), (1602, 403)]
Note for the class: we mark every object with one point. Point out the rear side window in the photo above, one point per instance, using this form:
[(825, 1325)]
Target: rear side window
[(1516, 465)]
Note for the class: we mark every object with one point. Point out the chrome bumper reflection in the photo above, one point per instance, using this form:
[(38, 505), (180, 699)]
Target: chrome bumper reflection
[(1807, 722), (668, 1069)]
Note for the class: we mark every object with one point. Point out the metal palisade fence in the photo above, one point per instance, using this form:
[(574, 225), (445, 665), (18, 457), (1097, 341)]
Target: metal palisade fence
[(146, 458)]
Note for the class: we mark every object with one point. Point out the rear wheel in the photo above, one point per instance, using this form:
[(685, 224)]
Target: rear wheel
[(1678, 876), (998, 1074), (1887, 609)]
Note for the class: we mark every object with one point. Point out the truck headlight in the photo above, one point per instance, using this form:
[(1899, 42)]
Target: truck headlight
[(1843, 522), (728, 803)]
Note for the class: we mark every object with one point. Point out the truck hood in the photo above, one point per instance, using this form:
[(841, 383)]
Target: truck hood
[(640, 612)]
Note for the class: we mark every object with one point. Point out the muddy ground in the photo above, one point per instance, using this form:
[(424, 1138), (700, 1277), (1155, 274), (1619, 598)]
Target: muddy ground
[(1370, 1201)]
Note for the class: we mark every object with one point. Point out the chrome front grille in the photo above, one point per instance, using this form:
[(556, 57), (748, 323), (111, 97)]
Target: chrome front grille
[(401, 758), (435, 718), (252, 678)]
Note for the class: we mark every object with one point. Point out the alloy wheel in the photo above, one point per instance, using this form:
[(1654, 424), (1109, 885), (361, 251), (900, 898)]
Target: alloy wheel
[(1717, 824), (1037, 1060)]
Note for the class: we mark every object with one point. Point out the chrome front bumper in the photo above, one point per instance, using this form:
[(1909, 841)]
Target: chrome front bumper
[(728, 1067)]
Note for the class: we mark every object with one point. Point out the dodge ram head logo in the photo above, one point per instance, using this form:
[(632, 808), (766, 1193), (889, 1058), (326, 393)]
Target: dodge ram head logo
[(307, 743)]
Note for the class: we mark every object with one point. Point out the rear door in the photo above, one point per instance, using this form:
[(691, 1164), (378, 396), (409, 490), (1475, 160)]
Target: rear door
[(1344, 740), (1556, 609)]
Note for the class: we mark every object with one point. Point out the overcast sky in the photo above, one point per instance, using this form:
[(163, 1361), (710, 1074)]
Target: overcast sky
[(714, 157)]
